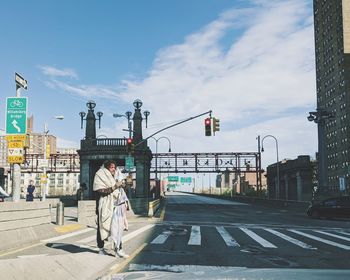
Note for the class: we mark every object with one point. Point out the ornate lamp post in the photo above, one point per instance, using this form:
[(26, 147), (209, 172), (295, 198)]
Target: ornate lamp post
[(277, 164), (90, 132)]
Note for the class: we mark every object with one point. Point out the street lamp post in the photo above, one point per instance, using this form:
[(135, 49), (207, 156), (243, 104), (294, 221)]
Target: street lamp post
[(128, 117), (163, 137), (320, 116), (277, 164), (46, 131)]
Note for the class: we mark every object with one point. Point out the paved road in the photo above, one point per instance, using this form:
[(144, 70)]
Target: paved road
[(205, 232)]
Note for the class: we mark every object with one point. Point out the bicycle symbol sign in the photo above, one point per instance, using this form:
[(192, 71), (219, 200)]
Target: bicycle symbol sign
[(16, 115)]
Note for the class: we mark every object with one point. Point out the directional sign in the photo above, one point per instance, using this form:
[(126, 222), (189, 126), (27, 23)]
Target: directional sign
[(129, 163), (16, 115), (173, 178), (16, 137)]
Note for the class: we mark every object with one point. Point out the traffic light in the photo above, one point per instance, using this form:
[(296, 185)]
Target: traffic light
[(129, 145), (207, 123), (216, 125)]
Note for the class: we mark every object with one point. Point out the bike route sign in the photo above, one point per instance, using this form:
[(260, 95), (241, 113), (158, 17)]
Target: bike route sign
[(16, 115)]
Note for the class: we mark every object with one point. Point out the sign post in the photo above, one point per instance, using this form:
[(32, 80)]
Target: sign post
[(129, 163), (16, 127)]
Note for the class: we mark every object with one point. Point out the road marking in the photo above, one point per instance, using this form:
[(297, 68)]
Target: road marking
[(257, 238), (195, 237), (290, 239), (124, 238), (346, 233), (333, 235), (229, 240), (136, 232), (19, 250), (87, 239), (32, 256), (160, 239), (321, 239), (68, 228), (67, 235)]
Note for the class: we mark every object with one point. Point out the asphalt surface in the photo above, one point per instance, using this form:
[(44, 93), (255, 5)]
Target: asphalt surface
[(202, 232)]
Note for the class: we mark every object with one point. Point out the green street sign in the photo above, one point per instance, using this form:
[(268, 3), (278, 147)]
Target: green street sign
[(186, 180), (16, 115), (129, 163), (173, 178)]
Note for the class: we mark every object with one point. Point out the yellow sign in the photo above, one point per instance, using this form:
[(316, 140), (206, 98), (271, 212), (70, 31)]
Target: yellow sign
[(48, 151), (15, 159), (15, 137), (15, 144)]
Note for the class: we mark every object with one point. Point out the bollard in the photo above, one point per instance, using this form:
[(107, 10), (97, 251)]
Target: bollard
[(60, 214)]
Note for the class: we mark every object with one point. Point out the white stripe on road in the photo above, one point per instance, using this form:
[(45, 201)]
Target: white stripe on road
[(195, 238), (124, 238), (257, 238), (290, 239), (136, 232), (333, 235), (231, 242), (321, 239), (32, 256), (160, 239), (346, 233), (67, 235)]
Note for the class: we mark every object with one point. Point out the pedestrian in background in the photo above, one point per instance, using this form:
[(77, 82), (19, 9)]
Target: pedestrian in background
[(30, 191)]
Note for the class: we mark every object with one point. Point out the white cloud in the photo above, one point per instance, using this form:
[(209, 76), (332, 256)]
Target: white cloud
[(263, 79), (55, 72), (259, 82)]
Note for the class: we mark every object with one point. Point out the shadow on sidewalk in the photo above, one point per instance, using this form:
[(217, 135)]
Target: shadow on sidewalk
[(70, 248)]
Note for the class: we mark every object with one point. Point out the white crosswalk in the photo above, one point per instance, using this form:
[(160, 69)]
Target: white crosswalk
[(233, 238), (236, 237)]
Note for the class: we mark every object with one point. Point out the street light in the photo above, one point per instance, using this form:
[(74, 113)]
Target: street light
[(277, 166), (128, 117), (163, 137), (320, 116), (46, 131)]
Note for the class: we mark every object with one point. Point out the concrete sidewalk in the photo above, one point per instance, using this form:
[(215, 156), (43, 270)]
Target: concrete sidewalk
[(77, 265)]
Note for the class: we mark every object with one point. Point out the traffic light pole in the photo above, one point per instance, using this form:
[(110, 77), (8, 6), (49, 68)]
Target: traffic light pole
[(170, 126)]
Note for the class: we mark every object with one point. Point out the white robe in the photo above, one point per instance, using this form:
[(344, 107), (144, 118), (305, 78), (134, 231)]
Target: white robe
[(103, 180), (117, 227)]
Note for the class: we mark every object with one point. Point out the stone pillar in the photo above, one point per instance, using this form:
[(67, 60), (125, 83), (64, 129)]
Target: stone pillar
[(299, 186), (286, 185), (90, 132)]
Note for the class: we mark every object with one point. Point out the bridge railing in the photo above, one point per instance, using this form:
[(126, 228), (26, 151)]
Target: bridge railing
[(106, 142)]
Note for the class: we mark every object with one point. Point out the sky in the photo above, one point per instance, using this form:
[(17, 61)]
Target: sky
[(251, 62)]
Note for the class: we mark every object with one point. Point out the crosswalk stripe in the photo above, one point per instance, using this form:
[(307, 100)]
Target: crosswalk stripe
[(160, 239), (345, 233), (257, 238), (87, 239), (195, 237), (333, 235), (290, 239), (321, 239), (229, 240)]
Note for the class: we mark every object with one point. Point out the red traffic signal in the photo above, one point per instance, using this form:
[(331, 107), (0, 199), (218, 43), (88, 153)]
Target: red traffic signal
[(207, 123), (129, 141)]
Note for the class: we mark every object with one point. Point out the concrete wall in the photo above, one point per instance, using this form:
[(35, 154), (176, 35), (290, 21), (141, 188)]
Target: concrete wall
[(24, 214), (24, 222)]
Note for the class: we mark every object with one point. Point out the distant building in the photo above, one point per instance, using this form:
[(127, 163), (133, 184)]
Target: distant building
[(297, 179), (332, 49)]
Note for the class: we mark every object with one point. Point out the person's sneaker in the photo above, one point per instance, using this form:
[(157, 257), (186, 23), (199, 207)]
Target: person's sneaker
[(102, 252), (121, 254)]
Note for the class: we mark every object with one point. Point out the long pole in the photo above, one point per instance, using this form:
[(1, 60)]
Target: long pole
[(277, 165), (16, 179), (44, 168)]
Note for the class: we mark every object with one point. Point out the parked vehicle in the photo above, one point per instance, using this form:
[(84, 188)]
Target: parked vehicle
[(331, 207)]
